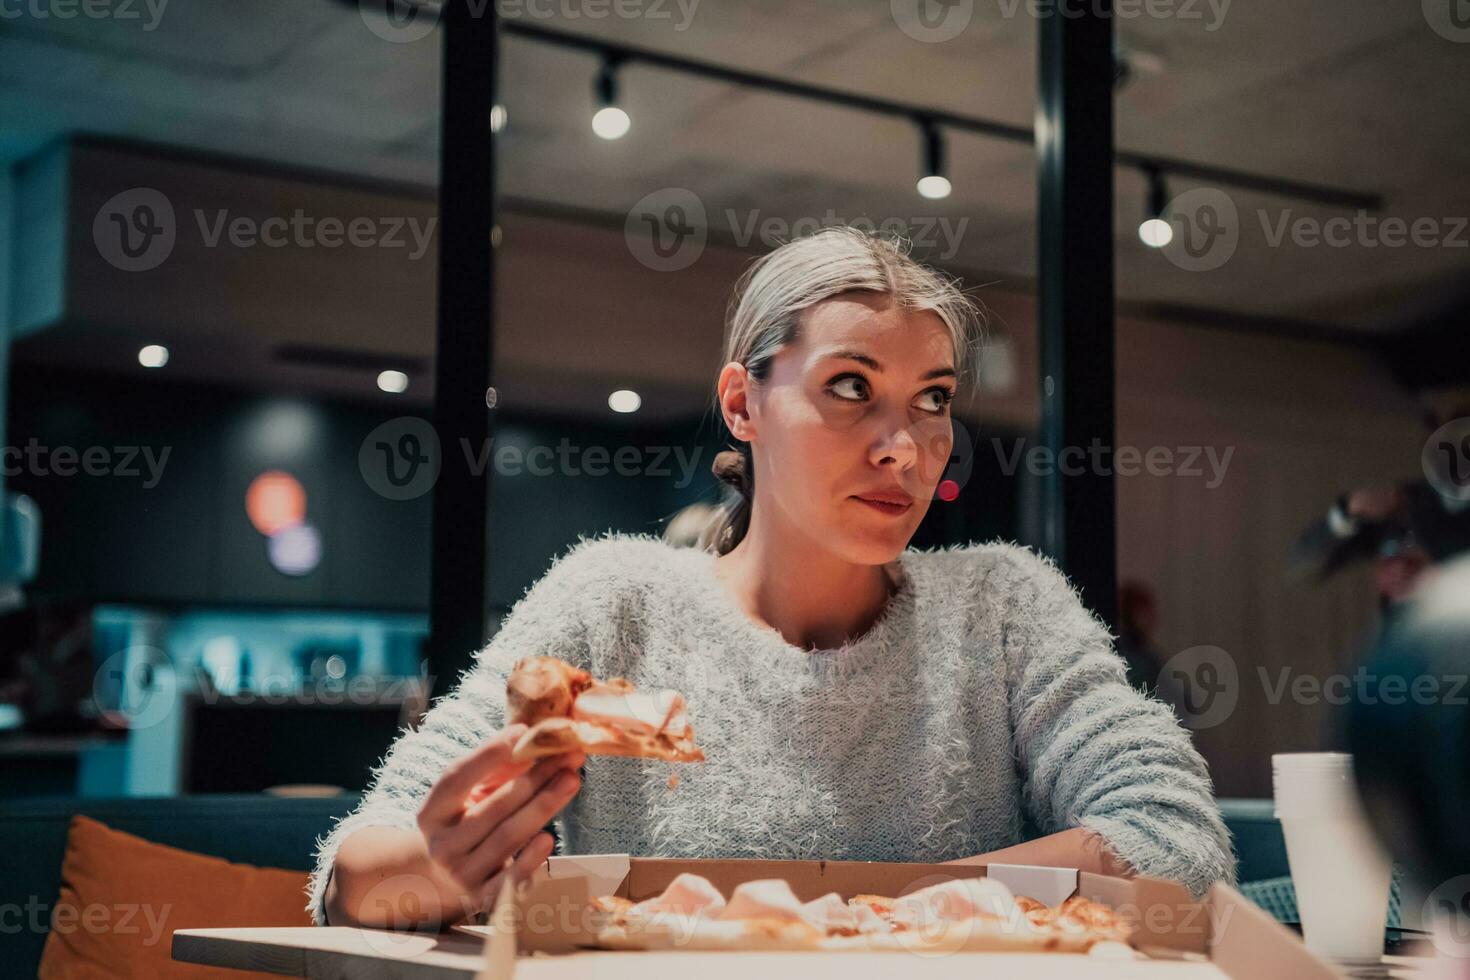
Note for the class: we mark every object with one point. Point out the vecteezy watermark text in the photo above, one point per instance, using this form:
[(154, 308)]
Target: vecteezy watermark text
[(1205, 685), (667, 230), (136, 230), (405, 21), (35, 459), (402, 458), (302, 230), (937, 21), (121, 919), (923, 231), (1363, 230), (1208, 228), (1211, 12), (150, 12), (1207, 462)]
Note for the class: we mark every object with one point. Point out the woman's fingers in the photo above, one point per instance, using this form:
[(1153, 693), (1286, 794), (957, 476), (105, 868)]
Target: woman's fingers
[(446, 799), (532, 856), (483, 817), (517, 828)]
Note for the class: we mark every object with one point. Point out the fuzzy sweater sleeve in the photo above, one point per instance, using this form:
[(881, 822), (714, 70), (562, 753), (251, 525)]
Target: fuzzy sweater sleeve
[(1097, 753), (547, 621)]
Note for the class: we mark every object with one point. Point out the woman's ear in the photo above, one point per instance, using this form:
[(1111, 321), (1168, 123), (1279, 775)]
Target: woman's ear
[(734, 392)]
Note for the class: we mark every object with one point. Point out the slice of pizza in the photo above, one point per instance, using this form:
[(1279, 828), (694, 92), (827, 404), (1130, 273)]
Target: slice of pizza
[(566, 709)]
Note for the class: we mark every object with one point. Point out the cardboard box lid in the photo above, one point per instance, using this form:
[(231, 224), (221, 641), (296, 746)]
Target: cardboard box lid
[(1239, 938)]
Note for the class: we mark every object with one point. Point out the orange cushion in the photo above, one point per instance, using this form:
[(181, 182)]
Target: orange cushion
[(122, 897)]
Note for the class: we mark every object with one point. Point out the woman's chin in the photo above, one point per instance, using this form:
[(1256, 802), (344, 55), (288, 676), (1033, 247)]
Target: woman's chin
[(872, 546)]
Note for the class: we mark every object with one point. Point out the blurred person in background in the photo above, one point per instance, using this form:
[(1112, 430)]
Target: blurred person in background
[(50, 669), (1138, 620), (686, 527), (1406, 531)]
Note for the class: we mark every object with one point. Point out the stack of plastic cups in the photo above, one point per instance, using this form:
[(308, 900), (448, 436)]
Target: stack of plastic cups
[(1339, 870)]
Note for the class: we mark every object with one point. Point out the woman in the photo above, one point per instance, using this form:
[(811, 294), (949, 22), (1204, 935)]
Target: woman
[(856, 699)]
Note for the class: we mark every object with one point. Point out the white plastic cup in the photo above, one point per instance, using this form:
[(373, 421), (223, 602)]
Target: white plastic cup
[(1339, 870)]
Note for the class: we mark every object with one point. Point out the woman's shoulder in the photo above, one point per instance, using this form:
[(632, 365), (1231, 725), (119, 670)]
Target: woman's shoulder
[(609, 564), (594, 595), (997, 568)]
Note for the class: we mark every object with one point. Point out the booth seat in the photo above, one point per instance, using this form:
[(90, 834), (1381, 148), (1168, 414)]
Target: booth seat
[(281, 832)]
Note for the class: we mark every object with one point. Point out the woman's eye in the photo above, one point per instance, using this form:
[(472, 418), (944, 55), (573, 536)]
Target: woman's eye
[(936, 399), (849, 387)]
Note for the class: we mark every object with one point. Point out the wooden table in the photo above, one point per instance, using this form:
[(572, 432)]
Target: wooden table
[(332, 952), (339, 952)]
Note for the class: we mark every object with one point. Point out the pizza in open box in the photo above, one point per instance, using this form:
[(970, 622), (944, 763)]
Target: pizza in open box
[(962, 914)]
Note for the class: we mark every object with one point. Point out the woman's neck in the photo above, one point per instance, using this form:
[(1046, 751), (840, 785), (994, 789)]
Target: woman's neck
[(785, 579)]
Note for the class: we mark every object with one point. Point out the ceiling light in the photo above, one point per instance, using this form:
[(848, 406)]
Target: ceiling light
[(153, 356), (625, 401), (933, 184), (609, 122), (393, 382), (1155, 230)]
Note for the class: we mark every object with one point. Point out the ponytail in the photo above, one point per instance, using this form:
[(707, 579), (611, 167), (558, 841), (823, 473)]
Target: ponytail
[(735, 468)]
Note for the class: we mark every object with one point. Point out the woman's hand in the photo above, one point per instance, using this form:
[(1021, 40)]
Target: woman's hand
[(484, 816)]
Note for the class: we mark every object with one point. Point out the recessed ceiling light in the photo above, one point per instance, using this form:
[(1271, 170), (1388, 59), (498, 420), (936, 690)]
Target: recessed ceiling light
[(153, 356), (393, 382), (625, 401)]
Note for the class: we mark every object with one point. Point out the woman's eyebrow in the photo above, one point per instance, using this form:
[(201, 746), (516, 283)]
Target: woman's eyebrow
[(864, 359)]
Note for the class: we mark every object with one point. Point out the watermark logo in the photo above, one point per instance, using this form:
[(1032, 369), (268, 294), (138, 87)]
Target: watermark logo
[(140, 681), (1122, 10), (1203, 684), (399, 21), (400, 459), (1450, 19), (1206, 229), (667, 230), (1446, 459), (1447, 915), (946, 454), (1363, 230), (121, 10), (1207, 463), (938, 236), (144, 463), (679, 12), (147, 922), (932, 21), (135, 231)]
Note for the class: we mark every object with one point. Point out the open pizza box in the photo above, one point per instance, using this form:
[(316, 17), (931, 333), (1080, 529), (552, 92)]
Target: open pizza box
[(552, 914)]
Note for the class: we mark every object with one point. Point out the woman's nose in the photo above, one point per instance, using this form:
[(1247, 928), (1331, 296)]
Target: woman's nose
[(898, 445)]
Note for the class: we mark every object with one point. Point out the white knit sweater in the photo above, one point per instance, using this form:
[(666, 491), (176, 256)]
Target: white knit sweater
[(985, 705)]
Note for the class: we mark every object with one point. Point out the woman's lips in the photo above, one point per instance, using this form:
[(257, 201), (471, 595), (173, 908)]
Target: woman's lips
[(884, 507)]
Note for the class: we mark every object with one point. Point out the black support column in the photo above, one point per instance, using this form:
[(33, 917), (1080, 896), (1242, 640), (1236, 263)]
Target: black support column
[(1074, 141), (460, 546)]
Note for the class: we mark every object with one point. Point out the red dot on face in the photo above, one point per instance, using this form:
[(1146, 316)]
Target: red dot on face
[(948, 490)]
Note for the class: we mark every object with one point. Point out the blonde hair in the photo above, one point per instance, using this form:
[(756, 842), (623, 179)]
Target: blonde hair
[(765, 310)]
